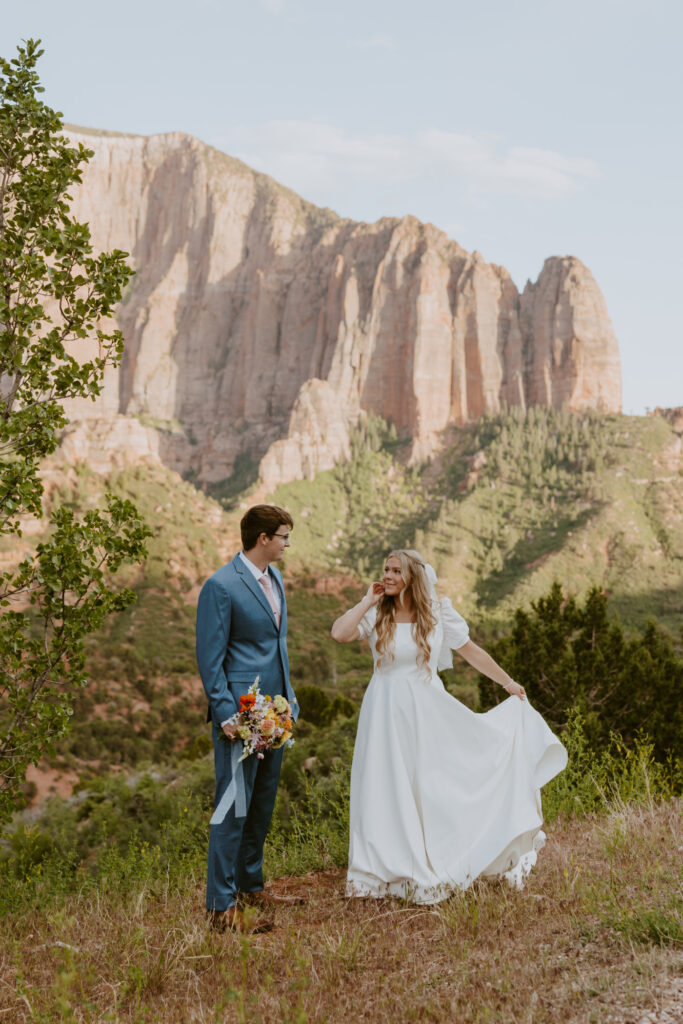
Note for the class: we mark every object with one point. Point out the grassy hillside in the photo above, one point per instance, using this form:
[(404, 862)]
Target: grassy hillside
[(594, 935), (101, 895), (514, 503), (510, 505)]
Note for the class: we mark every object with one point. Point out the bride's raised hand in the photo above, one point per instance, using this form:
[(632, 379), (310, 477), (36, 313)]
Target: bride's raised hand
[(515, 690), (375, 591)]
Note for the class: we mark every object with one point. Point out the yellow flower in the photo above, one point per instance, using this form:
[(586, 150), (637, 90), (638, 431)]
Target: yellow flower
[(244, 732), (280, 704)]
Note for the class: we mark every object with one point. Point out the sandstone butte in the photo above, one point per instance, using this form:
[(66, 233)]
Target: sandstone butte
[(261, 326)]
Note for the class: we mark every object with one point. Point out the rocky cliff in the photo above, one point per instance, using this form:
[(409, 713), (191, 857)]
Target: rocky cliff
[(260, 325)]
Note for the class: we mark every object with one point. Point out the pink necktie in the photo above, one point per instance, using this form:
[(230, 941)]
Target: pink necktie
[(267, 590)]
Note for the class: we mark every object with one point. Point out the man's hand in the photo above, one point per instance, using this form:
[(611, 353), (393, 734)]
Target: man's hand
[(230, 730)]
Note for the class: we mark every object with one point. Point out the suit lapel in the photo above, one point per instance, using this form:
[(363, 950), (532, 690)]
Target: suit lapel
[(255, 587)]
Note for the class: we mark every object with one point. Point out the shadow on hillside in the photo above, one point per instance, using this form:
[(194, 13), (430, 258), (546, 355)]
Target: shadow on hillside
[(230, 491), (529, 554), (366, 550), (664, 604)]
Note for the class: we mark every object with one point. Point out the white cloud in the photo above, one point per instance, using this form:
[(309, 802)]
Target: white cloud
[(545, 170), (316, 158)]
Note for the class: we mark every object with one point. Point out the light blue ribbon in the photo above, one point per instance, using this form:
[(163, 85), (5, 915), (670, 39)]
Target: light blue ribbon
[(235, 793)]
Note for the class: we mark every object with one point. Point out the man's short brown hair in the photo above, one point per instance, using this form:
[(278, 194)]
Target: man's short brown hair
[(262, 519)]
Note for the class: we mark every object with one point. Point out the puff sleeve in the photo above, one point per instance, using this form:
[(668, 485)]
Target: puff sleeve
[(367, 623), (456, 633)]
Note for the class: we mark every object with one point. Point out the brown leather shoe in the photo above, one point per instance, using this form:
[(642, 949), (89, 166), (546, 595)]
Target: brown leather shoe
[(236, 920), (267, 899)]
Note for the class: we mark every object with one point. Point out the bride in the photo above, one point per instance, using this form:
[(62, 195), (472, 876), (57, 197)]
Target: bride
[(439, 794)]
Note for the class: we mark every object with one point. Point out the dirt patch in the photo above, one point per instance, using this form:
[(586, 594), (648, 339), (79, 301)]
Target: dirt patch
[(50, 782)]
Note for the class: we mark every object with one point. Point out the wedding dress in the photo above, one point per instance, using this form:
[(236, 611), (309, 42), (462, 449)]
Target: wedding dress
[(439, 794)]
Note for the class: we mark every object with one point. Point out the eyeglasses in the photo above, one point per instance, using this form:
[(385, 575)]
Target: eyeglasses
[(282, 536)]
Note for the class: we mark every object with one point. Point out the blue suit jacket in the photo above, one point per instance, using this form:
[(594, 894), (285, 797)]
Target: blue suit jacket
[(238, 639)]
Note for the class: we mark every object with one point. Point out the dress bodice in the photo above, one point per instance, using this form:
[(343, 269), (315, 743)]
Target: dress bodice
[(451, 631)]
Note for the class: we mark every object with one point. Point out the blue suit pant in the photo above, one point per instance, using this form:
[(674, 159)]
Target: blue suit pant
[(236, 845)]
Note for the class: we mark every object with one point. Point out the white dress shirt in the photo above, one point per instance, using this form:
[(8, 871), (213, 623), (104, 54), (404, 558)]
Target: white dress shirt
[(257, 574)]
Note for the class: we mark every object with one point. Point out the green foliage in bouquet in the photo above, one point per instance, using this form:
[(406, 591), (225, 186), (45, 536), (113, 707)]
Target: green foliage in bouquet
[(53, 296)]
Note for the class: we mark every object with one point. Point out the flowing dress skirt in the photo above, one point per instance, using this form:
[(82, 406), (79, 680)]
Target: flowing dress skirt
[(440, 794)]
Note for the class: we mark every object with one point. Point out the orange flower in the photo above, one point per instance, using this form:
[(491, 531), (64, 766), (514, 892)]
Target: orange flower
[(247, 700)]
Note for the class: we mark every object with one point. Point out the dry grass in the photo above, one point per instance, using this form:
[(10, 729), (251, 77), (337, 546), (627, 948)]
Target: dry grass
[(595, 936)]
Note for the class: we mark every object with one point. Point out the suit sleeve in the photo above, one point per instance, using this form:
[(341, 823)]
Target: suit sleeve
[(213, 631)]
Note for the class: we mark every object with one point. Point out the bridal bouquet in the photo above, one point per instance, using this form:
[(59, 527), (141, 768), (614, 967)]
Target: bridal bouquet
[(263, 722)]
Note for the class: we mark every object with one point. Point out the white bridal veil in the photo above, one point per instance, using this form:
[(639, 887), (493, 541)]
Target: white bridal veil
[(445, 654)]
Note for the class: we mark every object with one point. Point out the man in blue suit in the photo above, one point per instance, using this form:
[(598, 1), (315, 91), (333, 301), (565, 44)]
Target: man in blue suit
[(242, 634)]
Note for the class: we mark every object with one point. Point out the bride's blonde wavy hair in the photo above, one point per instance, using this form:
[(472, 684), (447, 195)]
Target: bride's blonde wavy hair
[(415, 579)]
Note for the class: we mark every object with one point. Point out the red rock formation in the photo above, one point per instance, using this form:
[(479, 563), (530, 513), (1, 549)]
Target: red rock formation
[(257, 319), (570, 355)]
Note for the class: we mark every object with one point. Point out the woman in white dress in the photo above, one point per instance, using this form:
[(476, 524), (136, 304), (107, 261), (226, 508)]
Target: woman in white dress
[(439, 794)]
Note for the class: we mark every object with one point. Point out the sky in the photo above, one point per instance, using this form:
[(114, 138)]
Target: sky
[(523, 128)]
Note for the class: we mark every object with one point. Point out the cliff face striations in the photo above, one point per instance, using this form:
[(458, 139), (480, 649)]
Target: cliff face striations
[(260, 324)]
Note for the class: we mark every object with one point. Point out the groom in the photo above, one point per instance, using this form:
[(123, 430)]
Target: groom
[(242, 634)]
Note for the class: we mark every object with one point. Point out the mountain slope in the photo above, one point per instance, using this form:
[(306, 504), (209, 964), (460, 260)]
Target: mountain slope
[(260, 325), (511, 505)]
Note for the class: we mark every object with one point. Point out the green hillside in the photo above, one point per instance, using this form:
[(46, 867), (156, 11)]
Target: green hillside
[(512, 504)]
